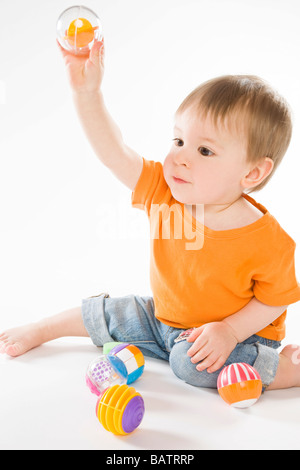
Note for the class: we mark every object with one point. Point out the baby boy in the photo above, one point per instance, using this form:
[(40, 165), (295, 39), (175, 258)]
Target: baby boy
[(222, 268)]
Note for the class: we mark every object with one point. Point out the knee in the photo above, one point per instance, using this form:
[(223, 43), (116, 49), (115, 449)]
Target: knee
[(185, 370), (180, 362)]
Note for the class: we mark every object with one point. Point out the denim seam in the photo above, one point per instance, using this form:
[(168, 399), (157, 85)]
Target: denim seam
[(268, 376), (96, 324), (147, 341), (166, 338)]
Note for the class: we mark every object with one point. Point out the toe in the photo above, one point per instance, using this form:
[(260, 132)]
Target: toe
[(12, 350)]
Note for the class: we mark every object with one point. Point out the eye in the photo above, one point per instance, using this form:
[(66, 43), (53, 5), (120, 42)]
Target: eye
[(178, 142), (205, 152)]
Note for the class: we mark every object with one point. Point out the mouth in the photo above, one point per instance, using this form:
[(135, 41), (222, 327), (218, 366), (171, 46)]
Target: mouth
[(179, 180)]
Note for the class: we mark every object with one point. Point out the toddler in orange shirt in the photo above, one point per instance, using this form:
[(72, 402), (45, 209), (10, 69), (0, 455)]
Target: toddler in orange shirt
[(221, 265)]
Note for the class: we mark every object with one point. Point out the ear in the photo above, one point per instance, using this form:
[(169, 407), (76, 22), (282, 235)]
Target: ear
[(258, 174)]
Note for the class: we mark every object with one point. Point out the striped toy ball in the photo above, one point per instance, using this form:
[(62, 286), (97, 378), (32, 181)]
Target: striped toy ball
[(128, 360), (120, 409), (239, 385)]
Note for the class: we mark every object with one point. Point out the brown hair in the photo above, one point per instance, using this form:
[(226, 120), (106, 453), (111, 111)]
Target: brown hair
[(250, 101)]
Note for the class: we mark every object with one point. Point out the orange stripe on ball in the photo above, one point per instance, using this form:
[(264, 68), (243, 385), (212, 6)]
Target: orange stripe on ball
[(240, 391)]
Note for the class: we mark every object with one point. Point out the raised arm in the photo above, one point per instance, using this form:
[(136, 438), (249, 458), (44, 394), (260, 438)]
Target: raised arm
[(85, 76)]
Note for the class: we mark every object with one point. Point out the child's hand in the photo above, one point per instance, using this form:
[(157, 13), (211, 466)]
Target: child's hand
[(85, 72), (213, 343)]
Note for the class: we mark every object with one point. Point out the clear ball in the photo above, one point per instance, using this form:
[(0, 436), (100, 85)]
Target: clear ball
[(77, 29), (101, 374)]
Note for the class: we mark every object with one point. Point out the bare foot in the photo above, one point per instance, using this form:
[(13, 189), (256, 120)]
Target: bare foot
[(17, 341), (288, 373), (292, 353)]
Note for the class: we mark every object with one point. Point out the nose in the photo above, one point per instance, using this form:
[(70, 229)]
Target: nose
[(181, 158)]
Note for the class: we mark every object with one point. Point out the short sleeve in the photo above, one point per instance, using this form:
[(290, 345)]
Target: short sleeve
[(276, 283), (151, 186)]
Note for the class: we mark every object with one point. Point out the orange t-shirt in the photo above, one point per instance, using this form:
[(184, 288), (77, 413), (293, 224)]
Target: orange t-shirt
[(199, 275)]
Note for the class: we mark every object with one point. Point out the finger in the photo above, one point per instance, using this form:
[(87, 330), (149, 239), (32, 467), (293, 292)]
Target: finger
[(195, 334), (101, 41), (97, 52), (198, 344), (64, 52), (207, 362), (217, 365), (200, 355), (69, 57)]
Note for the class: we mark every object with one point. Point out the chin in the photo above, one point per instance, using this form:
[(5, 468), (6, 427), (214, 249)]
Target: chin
[(177, 194)]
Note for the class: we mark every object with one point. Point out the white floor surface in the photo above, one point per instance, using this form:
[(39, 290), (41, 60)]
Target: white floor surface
[(67, 227), (45, 404)]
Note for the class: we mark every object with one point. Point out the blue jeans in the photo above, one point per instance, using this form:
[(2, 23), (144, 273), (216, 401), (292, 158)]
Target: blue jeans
[(131, 319)]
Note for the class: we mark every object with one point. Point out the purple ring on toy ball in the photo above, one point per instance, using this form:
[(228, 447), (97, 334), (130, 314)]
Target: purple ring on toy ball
[(133, 414), (118, 348)]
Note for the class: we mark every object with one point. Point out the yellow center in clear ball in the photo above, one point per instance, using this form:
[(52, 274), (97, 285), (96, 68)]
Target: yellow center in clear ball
[(80, 32)]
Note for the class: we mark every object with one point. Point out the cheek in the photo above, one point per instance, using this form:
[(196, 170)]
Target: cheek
[(218, 174), (167, 167), (212, 182), (208, 174), (233, 175)]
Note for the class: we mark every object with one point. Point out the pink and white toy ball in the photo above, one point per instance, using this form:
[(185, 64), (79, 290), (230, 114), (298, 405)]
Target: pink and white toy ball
[(239, 385)]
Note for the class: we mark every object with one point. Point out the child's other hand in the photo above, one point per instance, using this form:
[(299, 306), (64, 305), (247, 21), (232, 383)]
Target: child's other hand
[(85, 72), (212, 344)]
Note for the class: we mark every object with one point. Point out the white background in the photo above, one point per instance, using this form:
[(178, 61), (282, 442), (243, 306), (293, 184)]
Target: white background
[(67, 227)]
